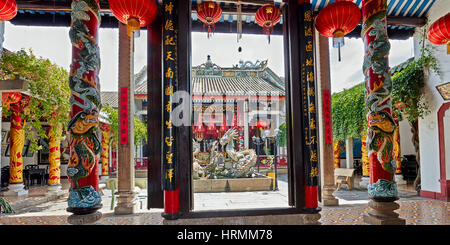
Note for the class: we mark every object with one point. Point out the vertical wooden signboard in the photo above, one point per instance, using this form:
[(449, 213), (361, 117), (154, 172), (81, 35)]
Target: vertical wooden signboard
[(309, 105), (123, 116), (169, 151), (328, 135)]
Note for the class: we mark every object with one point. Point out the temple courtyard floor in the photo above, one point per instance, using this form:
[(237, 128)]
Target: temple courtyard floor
[(38, 209)]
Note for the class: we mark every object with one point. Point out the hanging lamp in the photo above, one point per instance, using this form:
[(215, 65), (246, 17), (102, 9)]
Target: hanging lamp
[(439, 32), (209, 13), (8, 9), (267, 17), (338, 19), (134, 13)]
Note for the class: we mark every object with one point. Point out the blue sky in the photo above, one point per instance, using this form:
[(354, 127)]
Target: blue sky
[(53, 43)]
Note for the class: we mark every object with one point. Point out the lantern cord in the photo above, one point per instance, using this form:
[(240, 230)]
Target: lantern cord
[(239, 21), (132, 41), (339, 52)]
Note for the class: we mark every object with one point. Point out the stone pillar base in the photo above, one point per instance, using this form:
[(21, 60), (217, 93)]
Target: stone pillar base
[(287, 219), (54, 190), (126, 203), (104, 177), (16, 190), (365, 181), (85, 219), (327, 196), (399, 179), (382, 213)]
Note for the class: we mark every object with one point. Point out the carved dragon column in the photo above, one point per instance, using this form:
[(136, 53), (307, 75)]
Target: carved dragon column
[(84, 197), (16, 144), (381, 126)]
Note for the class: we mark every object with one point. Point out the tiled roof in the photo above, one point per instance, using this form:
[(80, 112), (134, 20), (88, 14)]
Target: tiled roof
[(140, 81), (247, 78), (401, 66), (141, 88), (233, 85), (110, 98)]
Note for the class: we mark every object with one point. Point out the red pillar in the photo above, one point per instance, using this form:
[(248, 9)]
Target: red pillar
[(85, 147), (378, 83)]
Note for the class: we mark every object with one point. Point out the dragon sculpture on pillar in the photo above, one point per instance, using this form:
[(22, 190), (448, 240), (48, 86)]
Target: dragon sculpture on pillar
[(85, 147)]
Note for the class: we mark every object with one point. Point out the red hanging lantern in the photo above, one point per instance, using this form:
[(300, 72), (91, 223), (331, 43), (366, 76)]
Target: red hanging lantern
[(209, 13), (439, 32), (267, 17), (8, 9), (134, 13), (338, 19), (261, 124)]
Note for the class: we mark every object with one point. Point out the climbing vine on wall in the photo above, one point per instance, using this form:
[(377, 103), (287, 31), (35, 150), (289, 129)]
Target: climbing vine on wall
[(407, 96), (348, 113), (48, 88)]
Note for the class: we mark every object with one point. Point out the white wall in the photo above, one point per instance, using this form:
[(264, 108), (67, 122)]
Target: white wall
[(406, 145), (428, 128)]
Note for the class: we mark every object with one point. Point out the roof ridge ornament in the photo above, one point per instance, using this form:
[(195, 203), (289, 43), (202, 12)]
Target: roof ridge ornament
[(249, 64)]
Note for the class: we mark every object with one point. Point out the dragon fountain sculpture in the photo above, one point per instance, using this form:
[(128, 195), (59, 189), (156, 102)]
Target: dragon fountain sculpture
[(228, 164)]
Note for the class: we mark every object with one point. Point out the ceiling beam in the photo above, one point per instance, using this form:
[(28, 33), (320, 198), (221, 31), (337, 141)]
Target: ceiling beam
[(249, 2), (406, 21), (251, 8)]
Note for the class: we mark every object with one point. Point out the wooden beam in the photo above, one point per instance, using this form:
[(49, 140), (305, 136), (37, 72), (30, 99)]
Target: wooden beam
[(295, 122), (54, 5), (406, 21), (15, 85), (291, 173), (251, 8), (154, 112), (184, 132), (248, 2)]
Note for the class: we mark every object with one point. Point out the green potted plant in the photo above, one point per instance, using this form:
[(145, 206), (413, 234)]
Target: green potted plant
[(5, 207)]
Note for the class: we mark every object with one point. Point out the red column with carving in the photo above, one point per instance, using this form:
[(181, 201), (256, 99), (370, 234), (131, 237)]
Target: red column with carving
[(85, 147), (378, 87)]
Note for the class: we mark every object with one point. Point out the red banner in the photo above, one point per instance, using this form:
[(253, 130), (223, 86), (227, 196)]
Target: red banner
[(327, 116), (123, 116)]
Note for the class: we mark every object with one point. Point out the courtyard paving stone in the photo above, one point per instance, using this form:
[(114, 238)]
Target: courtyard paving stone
[(353, 205)]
